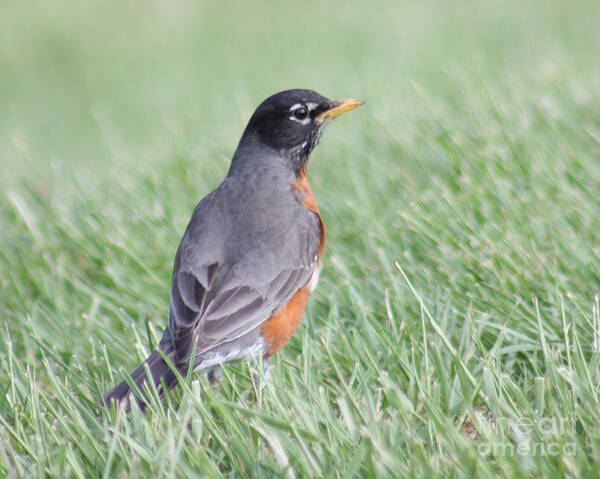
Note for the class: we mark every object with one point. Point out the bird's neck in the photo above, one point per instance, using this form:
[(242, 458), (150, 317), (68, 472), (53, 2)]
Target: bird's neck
[(253, 155)]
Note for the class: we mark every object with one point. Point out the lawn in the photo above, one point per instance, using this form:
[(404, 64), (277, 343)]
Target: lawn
[(455, 331)]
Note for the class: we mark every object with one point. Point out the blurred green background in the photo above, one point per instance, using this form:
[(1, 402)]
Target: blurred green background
[(85, 82)]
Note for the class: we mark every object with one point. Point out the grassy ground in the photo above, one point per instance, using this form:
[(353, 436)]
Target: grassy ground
[(456, 328)]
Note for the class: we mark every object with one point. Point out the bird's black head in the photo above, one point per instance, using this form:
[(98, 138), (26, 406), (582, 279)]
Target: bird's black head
[(291, 122)]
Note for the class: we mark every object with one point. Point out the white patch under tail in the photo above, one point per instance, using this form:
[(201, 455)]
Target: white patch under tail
[(233, 353)]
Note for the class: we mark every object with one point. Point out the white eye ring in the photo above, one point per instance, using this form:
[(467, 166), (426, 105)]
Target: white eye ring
[(300, 114)]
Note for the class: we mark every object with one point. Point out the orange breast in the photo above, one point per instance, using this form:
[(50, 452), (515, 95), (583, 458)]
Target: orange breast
[(278, 329), (304, 191)]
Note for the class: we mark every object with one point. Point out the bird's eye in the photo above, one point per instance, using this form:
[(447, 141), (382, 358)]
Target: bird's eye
[(301, 113)]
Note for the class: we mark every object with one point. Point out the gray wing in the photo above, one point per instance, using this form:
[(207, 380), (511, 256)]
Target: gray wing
[(213, 302)]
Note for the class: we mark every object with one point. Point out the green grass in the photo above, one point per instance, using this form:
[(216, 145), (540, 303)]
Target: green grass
[(456, 328)]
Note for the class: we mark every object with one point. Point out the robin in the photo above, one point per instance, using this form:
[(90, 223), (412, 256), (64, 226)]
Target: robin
[(251, 252)]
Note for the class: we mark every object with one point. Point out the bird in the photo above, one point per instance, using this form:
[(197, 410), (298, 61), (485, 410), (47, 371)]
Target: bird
[(250, 254)]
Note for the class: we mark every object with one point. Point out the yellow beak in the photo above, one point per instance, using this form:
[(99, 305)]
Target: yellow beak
[(337, 108)]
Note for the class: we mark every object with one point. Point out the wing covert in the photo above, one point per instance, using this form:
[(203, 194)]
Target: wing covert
[(217, 303)]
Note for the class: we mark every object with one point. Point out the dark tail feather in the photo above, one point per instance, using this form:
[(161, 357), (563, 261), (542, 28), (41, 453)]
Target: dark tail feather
[(160, 372)]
